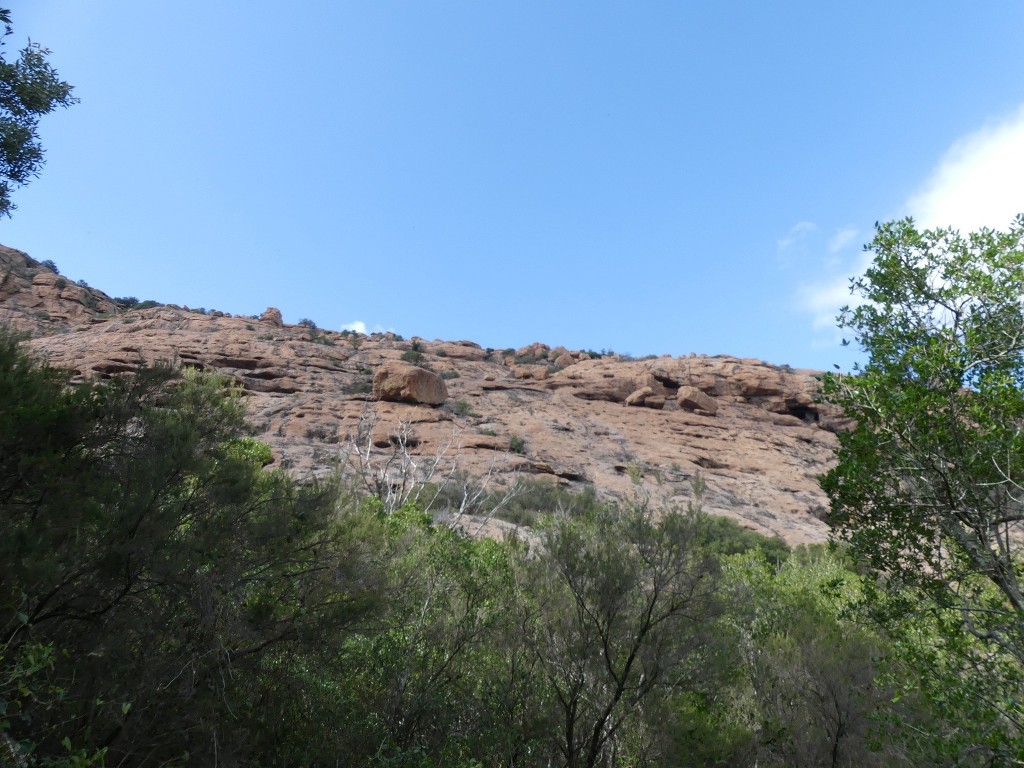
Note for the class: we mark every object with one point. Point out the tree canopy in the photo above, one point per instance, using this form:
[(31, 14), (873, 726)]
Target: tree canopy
[(29, 88), (929, 488)]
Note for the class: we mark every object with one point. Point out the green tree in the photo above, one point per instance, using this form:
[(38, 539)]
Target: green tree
[(160, 593), (625, 603), (418, 670), (929, 488), (811, 663), (29, 88)]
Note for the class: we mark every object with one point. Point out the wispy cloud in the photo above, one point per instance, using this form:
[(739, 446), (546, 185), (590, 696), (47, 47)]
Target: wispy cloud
[(797, 232), (979, 181), (822, 300), (841, 239), (356, 325)]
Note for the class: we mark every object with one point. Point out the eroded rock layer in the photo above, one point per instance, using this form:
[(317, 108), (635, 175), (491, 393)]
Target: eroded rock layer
[(753, 431)]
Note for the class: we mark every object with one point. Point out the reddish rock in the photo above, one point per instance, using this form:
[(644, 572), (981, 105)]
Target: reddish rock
[(536, 350), (404, 383), (640, 395), (605, 380), (760, 457), (272, 315), (535, 372), (693, 399), (37, 301), (457, 350)]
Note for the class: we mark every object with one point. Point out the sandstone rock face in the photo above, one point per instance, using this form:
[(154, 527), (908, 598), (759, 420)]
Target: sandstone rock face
[(760, 455), (459, 350), (693, 399), (37, 301), (403, 383)]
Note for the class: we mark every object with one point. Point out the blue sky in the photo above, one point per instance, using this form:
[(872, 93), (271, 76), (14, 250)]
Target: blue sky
[(660, 177)]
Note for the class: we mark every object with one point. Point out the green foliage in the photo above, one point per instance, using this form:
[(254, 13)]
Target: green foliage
[(626, 602), (358, 386), (421, 672), (536, 498), (150, 558), (413, 356), (463, 408), (250, 450), (728, 537), (811, 664), (927, 489), (597, 355), (516, 444), (29, 88), (165, 600)]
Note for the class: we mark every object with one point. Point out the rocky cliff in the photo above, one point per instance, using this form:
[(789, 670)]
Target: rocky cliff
[(753, 431)]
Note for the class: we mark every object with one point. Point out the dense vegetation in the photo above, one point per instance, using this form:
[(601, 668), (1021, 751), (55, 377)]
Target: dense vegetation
[(928, 490), (167, 601)]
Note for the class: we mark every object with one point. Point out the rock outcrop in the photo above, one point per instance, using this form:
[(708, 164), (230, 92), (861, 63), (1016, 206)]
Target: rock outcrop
[(400, 382), (646, 397), (272, 315), (692, 399), (759, 440), (36, 300)]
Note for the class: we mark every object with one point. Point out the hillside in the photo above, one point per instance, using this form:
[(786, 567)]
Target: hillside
[(752, 430)]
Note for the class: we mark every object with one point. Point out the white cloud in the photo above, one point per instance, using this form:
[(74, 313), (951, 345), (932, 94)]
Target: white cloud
[(823, 300), (841, 239), (356, 325), (798, 231), (979, 182)]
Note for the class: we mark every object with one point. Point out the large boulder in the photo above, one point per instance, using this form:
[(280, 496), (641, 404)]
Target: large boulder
[(646, 397), (404, 383), (640, 395), (692, 399), (535, 372), (536, 351), (272, 315)]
